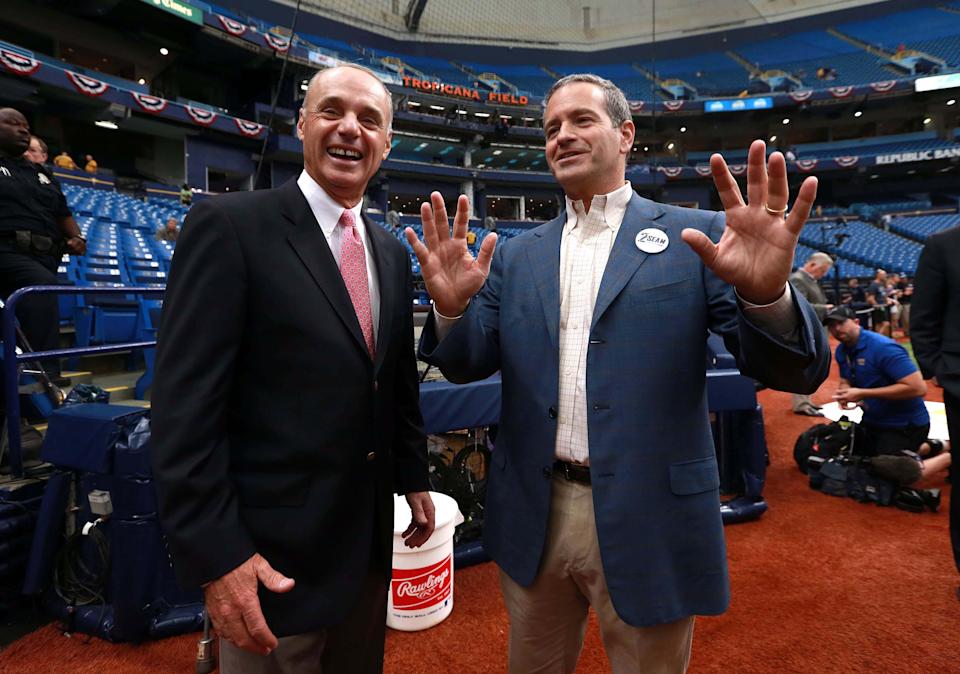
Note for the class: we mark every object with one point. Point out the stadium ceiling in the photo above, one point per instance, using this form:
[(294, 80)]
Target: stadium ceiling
[(578, 25)]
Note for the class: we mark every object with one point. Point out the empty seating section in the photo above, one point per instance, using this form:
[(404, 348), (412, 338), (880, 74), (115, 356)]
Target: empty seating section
[(529, 79), (920, 227), (851, 64), (868, 245), (888, 32), (710, 74), (875, 149)]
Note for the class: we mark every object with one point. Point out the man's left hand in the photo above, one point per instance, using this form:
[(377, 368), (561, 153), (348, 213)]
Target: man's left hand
[(422, 522), (755, 252), (847, 397), (76, 245)]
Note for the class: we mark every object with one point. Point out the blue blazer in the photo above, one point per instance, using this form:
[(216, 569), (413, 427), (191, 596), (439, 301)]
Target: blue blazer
[(652, 459)]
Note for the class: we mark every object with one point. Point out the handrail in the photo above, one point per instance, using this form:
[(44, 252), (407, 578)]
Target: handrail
[(11, 385)]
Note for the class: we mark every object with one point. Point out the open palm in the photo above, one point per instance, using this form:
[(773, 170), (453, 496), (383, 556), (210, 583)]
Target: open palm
[(755, 252), (450, 273)]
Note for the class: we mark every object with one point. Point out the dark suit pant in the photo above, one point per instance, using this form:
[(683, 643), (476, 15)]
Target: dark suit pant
[(39, 315), (353, 647), (953, 426)]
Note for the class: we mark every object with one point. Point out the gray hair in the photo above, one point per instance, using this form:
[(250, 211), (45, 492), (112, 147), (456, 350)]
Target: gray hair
[(617, 107), (820, 258), (363, 69)]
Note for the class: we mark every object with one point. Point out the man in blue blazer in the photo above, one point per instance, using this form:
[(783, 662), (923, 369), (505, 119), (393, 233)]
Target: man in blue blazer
[(603, 489)]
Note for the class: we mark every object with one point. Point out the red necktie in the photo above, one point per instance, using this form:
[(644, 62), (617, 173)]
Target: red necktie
[(353, 268)]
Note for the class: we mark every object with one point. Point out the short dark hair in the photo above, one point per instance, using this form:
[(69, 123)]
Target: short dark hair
[(618, 109)]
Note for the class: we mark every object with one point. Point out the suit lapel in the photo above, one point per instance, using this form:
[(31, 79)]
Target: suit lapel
[(544, 256), (310, 246), (625, 258), (385, 273)]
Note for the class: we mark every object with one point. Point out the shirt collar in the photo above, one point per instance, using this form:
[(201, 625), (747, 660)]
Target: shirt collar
[(613, 207), (325, 209)]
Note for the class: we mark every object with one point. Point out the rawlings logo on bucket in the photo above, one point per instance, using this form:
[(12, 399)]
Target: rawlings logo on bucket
[(414, 589)]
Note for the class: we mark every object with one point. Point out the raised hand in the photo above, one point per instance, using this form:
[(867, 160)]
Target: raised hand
[(755, 252), (451, 274)]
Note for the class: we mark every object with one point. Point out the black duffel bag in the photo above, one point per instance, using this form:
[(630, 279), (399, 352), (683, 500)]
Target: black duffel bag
[(824, 441)]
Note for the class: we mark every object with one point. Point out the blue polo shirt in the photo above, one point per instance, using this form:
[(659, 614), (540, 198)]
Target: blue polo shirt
[(876, 361)]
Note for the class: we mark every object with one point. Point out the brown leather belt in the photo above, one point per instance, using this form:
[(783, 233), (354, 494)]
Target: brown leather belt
[(574, 472)]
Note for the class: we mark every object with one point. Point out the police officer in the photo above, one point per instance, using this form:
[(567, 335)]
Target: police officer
[(35, 227)]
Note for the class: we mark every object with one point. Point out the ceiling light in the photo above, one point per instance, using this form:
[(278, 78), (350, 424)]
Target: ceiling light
[(683, 129), (141, 81), (106, 124), (413, 104), (773, 138), (436, 107), (670, 145), (164, 51), (786, 120), (927, 120), (498, 152), (858, 113), (646, 148), (951, 101), (874, 176), (481, 114)]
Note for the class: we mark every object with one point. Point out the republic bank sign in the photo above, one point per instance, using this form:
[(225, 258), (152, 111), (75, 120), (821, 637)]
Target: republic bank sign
[(922, 155)]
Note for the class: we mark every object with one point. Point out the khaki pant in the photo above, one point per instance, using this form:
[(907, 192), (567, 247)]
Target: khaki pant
[(548, 619)]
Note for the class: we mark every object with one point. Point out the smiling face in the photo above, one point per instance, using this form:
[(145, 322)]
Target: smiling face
[(345, 128), (586, 153)]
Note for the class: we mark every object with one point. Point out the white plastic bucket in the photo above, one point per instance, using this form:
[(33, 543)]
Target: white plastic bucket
[(421, 589)]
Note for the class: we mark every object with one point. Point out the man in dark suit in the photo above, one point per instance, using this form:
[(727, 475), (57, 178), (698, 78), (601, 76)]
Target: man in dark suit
[(285, 406), (806, 281), (603, 486), (935, 337)]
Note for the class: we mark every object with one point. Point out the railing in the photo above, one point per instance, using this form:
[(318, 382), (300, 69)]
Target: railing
[(11, 384)]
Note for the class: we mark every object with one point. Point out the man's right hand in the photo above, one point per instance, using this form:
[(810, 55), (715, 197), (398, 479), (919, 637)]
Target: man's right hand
[(234, 607), (450, 273)]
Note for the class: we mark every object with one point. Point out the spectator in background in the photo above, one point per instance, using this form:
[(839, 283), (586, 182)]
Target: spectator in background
[(879, 286), (186, 195), (63, 160), (856, 291), (169, 231), (91, 166), (879, 315), (37, 152), (806, 280)]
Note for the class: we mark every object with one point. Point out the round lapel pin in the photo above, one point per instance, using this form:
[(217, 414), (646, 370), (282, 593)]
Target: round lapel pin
[(652, 240)]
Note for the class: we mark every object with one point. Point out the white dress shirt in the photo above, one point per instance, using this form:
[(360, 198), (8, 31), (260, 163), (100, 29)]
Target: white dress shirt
[(327, 213), (585, 246)]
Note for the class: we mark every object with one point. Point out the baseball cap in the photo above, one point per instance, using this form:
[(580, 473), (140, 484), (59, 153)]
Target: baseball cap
[(840, 314)]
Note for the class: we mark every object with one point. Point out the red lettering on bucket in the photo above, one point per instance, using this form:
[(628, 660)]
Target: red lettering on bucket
[(414, 589)]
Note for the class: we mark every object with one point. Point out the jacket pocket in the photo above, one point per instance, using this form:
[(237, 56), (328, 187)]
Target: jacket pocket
[(694, 477), (272, 490)]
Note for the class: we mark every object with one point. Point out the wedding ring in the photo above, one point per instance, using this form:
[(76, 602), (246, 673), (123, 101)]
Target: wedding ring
[(775, 211)]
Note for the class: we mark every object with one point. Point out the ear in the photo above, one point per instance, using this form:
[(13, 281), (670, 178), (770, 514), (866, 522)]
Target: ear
[(300, 125), (627, 133), (388, 145)]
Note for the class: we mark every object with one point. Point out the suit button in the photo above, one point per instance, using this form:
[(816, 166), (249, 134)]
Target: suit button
[(371, 456), (552, 413), (376, 386)]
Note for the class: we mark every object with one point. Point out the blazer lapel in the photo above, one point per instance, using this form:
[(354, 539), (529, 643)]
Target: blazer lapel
[(625, 258), (310, 246), (385, 274), (544, 256)]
